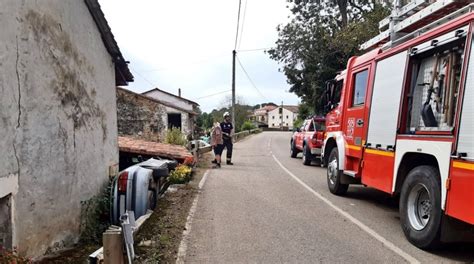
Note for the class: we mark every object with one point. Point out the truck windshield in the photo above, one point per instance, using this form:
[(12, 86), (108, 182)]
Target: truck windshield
[(320, 125)]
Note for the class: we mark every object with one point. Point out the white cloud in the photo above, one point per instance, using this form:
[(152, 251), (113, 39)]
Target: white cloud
[(188, 45)]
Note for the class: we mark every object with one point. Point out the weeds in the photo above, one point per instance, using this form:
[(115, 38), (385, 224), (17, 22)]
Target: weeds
[(174, 136), (95, 215), (11, 256)]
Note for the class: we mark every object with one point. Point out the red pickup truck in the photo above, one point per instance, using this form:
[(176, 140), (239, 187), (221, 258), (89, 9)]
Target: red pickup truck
[(308, 139)]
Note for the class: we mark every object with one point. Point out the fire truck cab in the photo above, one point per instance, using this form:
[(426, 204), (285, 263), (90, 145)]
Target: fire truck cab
[(401, 120)]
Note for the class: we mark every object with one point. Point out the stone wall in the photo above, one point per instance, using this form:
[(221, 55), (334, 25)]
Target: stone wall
[(140, 117), (58, 119)]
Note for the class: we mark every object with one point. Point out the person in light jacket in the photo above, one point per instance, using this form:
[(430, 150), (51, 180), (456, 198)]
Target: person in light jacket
[(217, 144)]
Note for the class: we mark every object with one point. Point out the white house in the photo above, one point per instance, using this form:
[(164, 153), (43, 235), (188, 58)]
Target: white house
[(59, 69), (260, 116), (180, 112), (282, 117)]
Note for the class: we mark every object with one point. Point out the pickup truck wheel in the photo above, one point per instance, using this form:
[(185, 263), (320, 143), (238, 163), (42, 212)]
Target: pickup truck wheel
[(334, 174), (420, 207), (293, 151), (307, 157)]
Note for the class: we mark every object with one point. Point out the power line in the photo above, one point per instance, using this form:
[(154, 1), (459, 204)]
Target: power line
[(141, 76), (238, 23), (250, 79), (243, 22), (214, 94)]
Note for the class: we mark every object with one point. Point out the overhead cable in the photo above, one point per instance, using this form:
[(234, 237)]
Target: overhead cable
[(250, 79), (143, 77), (238, 23), (243, 22), (214, 94)]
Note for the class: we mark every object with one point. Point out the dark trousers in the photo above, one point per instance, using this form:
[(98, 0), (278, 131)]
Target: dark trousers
[(228, 146)]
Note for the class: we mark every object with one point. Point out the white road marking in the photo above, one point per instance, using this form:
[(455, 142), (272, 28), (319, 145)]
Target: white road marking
[(183, 246), (203, 180), (361, 225)]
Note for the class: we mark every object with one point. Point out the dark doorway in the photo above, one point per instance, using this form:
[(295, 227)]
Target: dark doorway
[(174, 120), (6, 222)]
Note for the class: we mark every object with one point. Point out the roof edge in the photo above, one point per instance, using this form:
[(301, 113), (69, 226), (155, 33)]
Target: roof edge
[(122, 72), (157, 89)]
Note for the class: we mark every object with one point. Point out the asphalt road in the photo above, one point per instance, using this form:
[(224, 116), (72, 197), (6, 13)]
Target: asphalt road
[(269, 208)]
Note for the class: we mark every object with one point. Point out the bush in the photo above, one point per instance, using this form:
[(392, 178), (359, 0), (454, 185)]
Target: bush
[(174, 136), (247, 125), (181, 174)]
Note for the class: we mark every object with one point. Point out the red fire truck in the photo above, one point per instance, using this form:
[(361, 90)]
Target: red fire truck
[(401, 120)]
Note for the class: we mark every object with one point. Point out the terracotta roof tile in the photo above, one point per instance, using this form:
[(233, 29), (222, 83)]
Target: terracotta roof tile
[(138, 146)]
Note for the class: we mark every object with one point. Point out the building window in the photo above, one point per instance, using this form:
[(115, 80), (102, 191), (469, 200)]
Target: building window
[(273, 117), (287, 117), (174, 120)]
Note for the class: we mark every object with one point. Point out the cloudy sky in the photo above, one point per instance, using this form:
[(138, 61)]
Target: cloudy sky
[(188, 44)]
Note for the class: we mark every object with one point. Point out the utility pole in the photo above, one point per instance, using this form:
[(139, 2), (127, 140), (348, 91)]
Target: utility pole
[(234, 53), (281, 115)]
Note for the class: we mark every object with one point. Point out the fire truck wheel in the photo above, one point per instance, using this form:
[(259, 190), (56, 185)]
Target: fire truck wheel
[(307, 157), (293, 151), (334, 174), (420, 207)]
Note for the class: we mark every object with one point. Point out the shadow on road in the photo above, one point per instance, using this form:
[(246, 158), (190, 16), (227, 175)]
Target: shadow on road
[(463, 252)]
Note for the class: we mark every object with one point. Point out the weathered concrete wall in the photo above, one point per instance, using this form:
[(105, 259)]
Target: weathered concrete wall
[(58, 118), (140, 117)]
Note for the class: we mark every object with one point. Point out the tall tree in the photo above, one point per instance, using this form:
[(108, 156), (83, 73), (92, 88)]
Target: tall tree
[(319, 39)]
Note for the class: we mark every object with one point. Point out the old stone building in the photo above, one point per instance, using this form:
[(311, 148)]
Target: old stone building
[(59, 68), (140, 116), (148, 118), (180, 112)]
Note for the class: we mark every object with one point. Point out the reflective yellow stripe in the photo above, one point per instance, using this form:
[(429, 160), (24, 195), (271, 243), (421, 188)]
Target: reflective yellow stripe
[(463, 165), (353, 147), (380, 152)]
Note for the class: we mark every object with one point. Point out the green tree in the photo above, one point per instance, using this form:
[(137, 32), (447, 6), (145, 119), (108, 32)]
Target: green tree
[(304, 111), (320, 38), (242, 111), (204, 121)]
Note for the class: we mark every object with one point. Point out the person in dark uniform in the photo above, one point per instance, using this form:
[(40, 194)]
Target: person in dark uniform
[(227, 132)]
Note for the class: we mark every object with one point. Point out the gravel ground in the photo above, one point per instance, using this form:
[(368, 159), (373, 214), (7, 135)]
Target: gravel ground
[(159, 237)]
